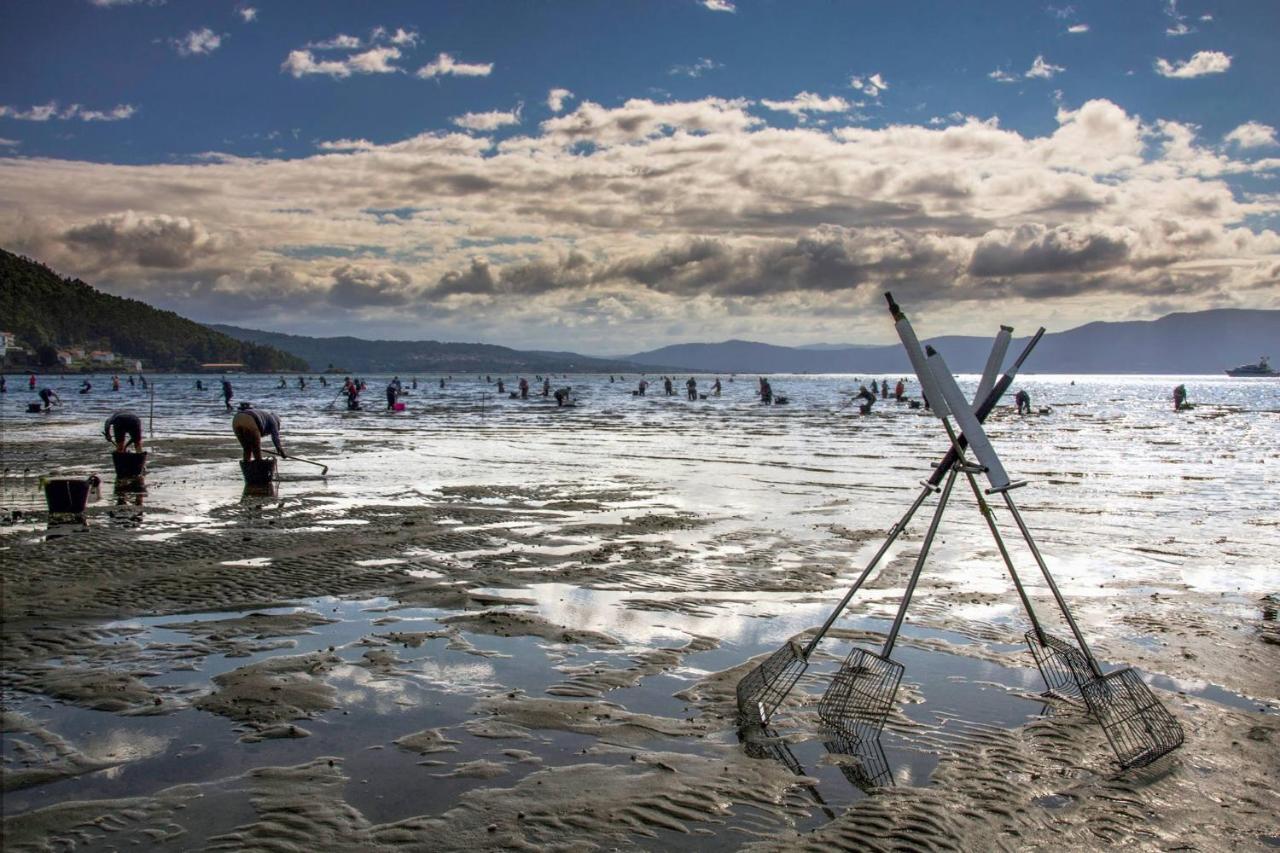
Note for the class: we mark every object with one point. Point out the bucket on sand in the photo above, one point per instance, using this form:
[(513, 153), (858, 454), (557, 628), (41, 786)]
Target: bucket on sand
[(129, 464), (68, 496), (32, 408), (258, 472)]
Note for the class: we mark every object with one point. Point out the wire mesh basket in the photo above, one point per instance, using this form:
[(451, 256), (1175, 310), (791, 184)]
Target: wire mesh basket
[(860, 696), (762, 690), (1137, 725), (1062, 665)]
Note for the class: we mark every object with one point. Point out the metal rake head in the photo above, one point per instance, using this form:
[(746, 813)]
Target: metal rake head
[(762, 690), (1062, 666), (869, 768), (860, 696), (1138, 727)]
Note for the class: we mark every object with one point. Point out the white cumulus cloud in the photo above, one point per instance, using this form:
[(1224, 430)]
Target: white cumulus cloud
[(1201, 63), (491, 120), (403, 37), (301, 63), (248, 14), (1252, 134), (118, 113), (45, 112), (201, 42), (556, 99), (719, 5), (375, 61), (1077, 29), (445, 65), (341, 41), (1043, 70), (870, 85), (346, 145), (697, 69), (808, 102), (659, 221)]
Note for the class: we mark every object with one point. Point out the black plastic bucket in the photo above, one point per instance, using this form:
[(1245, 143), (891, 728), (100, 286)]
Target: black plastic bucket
[(67, 496), (129, 464), (32, 408), (258, 472)]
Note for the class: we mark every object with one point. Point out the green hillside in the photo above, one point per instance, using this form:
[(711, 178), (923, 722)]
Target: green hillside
[(45, 310)]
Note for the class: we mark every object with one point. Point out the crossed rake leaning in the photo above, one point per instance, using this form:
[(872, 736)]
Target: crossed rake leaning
[(861, 695)]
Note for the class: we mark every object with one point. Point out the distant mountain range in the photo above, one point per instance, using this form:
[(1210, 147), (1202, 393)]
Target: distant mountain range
[(1190, 343), (46, 311), (355, 355)]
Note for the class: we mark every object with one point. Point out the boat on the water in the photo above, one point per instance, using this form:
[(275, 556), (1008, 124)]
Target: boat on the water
[(1262, 368)]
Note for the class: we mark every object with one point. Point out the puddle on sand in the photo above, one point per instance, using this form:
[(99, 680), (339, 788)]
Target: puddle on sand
[(433, 686)]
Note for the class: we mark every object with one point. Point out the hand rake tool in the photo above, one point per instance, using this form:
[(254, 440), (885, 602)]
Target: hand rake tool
[(1139, 729), (762, 690), (1056, 659), (324, 469)]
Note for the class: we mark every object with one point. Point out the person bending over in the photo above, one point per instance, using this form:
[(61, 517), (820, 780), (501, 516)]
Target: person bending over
[(124, 428), (250, 425)]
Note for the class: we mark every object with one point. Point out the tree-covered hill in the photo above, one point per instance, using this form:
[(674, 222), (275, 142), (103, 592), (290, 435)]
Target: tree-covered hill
[(43, 309)]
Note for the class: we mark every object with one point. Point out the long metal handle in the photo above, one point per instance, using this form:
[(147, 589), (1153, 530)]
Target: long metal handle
[(884, 548), (924, 554), (989, 517), (1053, 587)]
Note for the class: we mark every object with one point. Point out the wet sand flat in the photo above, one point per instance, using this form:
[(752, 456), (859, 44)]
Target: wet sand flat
[(499, 625)]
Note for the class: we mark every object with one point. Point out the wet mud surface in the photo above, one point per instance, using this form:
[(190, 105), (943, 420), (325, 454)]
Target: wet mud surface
[(516, 628)]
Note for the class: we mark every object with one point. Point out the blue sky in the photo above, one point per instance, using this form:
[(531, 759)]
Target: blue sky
[(566, 173)]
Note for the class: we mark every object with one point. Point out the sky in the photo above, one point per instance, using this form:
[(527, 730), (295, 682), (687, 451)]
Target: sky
[(609, 177)]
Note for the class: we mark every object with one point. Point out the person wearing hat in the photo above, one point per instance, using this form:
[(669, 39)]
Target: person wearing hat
[(250, 425)]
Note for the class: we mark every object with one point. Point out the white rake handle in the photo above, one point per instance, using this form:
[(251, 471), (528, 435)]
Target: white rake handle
[(998, 349), (969, 423)]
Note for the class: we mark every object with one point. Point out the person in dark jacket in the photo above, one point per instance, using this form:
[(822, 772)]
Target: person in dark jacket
[(124, 428), (49, 396), (250, 425), (227, 394)]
